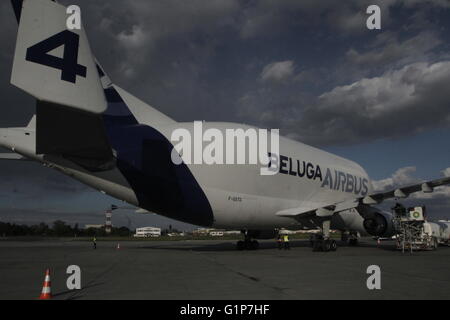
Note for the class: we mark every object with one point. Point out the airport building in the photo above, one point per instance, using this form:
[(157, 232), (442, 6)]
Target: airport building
[(202, 231), (214, 232), (147, 232), (108, 222), (93, 226)]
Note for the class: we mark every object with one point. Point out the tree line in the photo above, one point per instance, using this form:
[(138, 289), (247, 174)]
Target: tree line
[(58, 229)]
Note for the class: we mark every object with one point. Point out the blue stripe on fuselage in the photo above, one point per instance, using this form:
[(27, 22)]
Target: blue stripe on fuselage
[(144, 158)]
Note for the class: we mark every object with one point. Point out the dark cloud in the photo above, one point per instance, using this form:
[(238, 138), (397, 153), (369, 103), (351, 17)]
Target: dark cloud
[(16, 108), (219, 60), (271, 18), (399, 102), (388, 50), (32, 180)]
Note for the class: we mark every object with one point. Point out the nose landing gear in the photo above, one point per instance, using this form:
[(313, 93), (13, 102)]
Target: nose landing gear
[(351, 238), (322, 241), (247, 244), (323, 244)]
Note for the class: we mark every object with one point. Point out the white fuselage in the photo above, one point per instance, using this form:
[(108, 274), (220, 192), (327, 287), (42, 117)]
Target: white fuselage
[(239, 196)]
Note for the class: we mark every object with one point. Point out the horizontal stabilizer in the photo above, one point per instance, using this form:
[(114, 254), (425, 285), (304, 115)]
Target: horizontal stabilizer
[(75, 134), (11, 156)]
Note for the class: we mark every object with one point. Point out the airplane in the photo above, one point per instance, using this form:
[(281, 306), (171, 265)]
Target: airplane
[(91, 130)]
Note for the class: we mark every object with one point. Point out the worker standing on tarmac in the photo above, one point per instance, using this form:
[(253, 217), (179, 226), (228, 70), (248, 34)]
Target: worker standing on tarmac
[(286, 242), (94, 242), (280, 242)]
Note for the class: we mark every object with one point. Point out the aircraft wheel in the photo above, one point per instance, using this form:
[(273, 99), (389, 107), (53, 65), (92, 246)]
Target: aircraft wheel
[(333, 245), (240, 245), (316, 245), (435, 244), (312, 240), (326, 245), (254, 245), (344, 237)]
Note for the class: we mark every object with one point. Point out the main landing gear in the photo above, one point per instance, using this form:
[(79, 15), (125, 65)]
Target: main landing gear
[(248, 243), (322, 241), (350, 237)]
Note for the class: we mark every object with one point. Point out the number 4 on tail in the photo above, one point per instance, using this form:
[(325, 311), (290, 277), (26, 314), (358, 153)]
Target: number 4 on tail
[(68, 65)]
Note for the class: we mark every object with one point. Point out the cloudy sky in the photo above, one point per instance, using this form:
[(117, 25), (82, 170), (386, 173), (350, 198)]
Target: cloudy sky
[(310, 68)]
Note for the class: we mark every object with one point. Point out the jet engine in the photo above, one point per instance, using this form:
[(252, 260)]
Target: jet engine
[(379, 224)]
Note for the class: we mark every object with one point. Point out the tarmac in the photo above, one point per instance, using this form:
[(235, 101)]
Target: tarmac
[(204, 270)]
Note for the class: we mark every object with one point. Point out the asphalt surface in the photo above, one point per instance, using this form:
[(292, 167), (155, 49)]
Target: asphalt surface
[(215, 270)]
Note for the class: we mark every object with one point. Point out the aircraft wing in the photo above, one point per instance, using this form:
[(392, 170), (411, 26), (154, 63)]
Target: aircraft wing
[(327, 210), (404, 192), (319, 211)]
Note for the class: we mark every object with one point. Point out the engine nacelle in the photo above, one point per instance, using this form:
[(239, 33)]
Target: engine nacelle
[(262, 234), (379, 224)]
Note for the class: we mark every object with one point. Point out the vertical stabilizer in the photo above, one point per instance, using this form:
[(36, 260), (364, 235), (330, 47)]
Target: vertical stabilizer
[(52, 63)]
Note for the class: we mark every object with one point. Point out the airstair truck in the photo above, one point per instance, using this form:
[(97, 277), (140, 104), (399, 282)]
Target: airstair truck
[(413, 232)]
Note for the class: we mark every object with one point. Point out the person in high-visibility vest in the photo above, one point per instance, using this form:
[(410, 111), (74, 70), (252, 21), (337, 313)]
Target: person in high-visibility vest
[(286, 242)]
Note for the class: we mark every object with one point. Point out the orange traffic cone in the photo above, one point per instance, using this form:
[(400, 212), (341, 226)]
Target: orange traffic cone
[(46, 289), (118, 246)]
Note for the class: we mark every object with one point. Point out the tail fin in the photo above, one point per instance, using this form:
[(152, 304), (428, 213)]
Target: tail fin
[(54, 64)]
